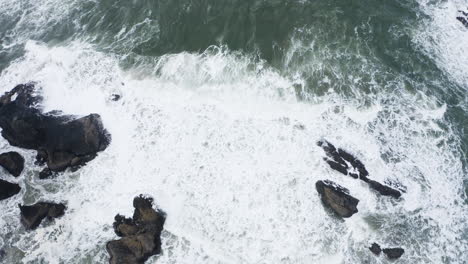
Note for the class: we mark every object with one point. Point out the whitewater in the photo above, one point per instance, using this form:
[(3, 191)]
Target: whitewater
[(224, 139)]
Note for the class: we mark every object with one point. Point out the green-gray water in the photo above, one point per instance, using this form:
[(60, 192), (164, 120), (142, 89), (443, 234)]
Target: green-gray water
[(215, 94)]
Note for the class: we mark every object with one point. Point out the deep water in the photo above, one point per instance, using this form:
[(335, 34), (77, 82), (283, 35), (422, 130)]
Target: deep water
[(222, 104)]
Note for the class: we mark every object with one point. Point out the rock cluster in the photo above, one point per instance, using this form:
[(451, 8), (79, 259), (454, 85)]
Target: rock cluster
[(61, 141), (345, 163), (141, 234), (338, 199)]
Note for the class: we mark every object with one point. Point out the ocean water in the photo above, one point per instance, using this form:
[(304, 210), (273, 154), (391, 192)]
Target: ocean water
[(222, 104)]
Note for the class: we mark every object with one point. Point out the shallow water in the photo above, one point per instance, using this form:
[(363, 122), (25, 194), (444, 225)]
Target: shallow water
[(222, 104)]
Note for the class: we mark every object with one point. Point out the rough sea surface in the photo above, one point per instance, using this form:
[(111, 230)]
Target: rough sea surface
[(222, 104)]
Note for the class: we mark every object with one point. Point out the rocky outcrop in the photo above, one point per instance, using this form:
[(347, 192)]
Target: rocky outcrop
[(141, 234), (337, 198), (463, 18), (12, 162), (345, 163), (392, 253), (32, 215), (61, 141), (8, 189)]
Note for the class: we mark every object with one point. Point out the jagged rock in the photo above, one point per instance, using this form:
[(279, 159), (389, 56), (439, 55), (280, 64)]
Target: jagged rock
[(337, 198), (393, 253), (347, 164), (375, 248), (13, 162), (32, 215), (342, 161), (383, 189), (141, 235), (463, 19), (61, 141), (8, 189)]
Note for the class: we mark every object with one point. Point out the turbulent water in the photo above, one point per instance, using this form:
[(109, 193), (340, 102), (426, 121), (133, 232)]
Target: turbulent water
[(222, 104)]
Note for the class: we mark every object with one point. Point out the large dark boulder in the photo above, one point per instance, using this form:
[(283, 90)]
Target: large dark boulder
[(375, 248), (393, 253), (61, 141), (32, 215), (337, 198), (13, 162), (8, 189), (345, 163), (141, 234)]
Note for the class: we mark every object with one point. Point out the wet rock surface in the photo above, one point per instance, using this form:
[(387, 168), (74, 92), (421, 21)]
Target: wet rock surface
[(32, 215), (393, 253), (61, 141), (337, 198), (141, 234), (345, 163), (12, 162), (375, 248), (8, 189)]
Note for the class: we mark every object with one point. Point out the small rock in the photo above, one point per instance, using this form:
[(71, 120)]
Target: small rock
[(115, 97), (337, 198), (141, 235), (32, 215), (13, 162), (8, 189), (393, 253), (375, 248), (61, 141)]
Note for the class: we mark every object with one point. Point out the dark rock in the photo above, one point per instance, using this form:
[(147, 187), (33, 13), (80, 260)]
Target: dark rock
[(8, 189), (384, 190), (393, 253), (343, 162), (32, 215), (337, 198), (463, 20), (13, 162), (375, 248), (46, 173), (141, 234), (115, 97), (61, 141), (347, 164)]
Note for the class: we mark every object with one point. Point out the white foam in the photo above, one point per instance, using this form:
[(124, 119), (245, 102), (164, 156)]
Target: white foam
[(215, 139)]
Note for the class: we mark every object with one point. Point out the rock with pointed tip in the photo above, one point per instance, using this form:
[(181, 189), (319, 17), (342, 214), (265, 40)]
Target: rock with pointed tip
[(8, 189), (32, 215), (12, 162), (337, 198)]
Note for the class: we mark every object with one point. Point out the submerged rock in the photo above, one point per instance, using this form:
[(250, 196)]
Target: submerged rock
[(337, 198), (61, 141), (8, 189), (32, 215), (393, 253), (375, 248), (13, 162), (141, 234), (347, 164)]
